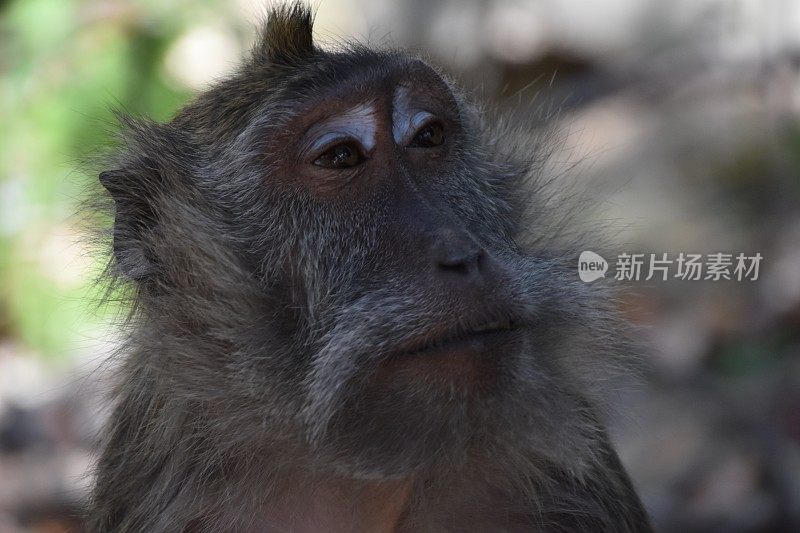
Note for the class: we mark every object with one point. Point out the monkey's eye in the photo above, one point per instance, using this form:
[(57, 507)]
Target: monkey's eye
[(430, 135), (342, 155)]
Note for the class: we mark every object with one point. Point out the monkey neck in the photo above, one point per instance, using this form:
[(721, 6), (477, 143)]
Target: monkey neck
[(340, 505)]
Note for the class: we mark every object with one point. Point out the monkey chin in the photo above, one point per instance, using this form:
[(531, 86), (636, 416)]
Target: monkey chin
[(422, 409)]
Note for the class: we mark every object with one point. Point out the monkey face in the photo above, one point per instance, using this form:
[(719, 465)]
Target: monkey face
[(328, 246), (395, 219), (411, 299)]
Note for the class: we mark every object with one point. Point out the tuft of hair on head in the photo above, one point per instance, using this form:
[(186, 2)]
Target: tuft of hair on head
[(285, 38)]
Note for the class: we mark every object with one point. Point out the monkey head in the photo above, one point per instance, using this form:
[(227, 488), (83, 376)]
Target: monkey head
[(332, 252)]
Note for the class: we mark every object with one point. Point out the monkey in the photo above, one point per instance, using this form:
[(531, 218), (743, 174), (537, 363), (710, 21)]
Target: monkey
[(352, 309)]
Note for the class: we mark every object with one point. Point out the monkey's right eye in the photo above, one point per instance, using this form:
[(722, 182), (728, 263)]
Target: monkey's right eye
[(343, 155)]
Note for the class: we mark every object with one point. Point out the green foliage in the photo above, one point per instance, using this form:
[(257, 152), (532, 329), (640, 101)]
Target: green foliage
[(65, 64)]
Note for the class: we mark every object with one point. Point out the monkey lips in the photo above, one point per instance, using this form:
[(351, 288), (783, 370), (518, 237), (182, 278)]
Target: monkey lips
[(462, 359)]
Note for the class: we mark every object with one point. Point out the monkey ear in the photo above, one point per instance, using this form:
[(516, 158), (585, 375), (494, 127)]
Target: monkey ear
[(134, 221), (286, 37)]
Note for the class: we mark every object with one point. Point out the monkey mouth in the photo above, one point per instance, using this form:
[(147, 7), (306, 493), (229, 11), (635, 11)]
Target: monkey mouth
[(438, 340), (467, 353), (496, 325)]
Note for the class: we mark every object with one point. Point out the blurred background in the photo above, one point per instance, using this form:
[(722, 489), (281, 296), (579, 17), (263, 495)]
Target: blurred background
[(685, 115)]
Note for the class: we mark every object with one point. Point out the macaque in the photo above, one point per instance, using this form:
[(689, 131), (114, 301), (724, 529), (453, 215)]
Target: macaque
[(352, 310)]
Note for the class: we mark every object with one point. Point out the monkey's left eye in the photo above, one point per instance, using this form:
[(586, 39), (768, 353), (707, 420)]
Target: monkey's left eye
[(430, 135), (343, 155)]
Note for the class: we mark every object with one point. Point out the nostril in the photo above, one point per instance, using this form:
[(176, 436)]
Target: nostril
[(458, 268), (455, 251), (461, 261)]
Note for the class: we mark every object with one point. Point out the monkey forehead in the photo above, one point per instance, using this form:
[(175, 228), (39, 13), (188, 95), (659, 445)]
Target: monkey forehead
[(372, 91), (386, 81), (361, 87)]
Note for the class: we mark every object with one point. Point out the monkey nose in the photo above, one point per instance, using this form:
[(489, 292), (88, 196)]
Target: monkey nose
[(456, 254)]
